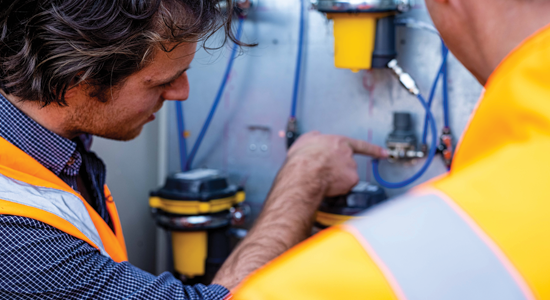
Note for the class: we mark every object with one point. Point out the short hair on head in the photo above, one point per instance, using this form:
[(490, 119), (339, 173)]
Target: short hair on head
[(49, 46)]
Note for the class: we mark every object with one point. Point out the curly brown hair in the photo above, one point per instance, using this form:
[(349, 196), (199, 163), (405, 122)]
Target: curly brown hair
[(50, 46)]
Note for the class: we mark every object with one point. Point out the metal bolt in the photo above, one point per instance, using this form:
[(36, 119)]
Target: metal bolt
[(264, 148), (252, 147)]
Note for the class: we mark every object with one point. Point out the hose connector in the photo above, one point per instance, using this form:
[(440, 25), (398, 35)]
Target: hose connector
[(292, 132), (406, 80), (446, 147), (401, 142)]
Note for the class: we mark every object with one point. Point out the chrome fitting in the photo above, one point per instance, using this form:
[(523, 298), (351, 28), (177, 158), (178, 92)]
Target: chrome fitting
[(404, 5), (240, 214), (199, 222), (406, 80), (402, 153)]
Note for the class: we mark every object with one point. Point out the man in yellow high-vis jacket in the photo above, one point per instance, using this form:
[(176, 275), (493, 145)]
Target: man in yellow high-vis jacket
[(483, 230)]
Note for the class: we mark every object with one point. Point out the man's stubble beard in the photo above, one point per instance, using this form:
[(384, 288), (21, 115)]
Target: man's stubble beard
[(82, 121)]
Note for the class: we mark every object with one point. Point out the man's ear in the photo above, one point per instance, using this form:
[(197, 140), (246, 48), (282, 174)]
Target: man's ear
[(74, 90), (76, 86)]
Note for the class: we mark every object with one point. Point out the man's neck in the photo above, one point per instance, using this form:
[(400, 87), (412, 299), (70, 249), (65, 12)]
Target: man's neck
[(501, 26), (50, 117)]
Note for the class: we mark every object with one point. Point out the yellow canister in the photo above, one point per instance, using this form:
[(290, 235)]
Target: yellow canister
[(196, 207), (190, 251), (354, 38)]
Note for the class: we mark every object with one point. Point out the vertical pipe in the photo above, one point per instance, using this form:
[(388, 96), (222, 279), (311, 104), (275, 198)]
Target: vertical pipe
[(445, 72), (440, 73), (206, 124), (298, 69)]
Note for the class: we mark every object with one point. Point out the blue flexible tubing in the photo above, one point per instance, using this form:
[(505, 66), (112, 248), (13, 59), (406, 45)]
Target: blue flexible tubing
[(441, 73), (431, 155), (216, 101), (445, 72), (298, 62), (181, 132)]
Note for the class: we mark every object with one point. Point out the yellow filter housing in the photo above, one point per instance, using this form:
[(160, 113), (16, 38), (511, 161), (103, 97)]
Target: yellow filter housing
[(190, 251), (354, 38), (328, 219)]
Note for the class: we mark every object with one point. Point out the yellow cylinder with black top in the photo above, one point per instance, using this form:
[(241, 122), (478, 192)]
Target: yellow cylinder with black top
[(354, 39), (364, 33), (196, 208)]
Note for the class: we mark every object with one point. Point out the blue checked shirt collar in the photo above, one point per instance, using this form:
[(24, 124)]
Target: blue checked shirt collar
[(54, 152)]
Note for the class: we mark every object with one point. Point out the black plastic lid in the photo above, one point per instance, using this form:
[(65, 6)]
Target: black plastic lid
[(196, 185), (403, 129), (362, 197), (402, 121)]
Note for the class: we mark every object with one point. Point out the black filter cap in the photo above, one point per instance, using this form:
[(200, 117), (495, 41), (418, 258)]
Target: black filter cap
[(196, 185), (402, 121), (363, 196)]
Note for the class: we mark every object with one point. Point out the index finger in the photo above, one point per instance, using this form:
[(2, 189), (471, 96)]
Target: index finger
[(365, 148)]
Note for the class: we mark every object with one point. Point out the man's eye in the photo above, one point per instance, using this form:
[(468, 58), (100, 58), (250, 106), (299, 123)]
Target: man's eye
[(165, 85)]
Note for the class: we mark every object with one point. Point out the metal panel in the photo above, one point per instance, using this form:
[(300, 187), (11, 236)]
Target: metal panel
[(332, 100), (256, 106)]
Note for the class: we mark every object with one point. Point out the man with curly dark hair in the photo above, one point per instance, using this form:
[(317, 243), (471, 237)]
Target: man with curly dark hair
[(70, 69)]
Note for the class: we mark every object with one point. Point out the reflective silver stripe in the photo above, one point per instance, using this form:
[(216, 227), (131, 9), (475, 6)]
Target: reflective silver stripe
[(433, 253), (62, 204)]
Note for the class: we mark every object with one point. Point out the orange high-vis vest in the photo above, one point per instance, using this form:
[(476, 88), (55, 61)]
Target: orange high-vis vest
[(480, 232), (30, 190)]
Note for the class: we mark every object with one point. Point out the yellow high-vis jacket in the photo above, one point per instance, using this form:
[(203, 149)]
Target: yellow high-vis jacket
[(480, 232)]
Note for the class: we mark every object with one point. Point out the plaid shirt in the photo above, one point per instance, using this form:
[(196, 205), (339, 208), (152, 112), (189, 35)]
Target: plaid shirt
[(38, 261)]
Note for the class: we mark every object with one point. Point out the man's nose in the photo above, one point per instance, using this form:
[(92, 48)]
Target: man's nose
[(178, 90)]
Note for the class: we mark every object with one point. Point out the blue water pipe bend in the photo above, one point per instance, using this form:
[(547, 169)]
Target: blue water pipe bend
[(431, 155), (441, 74)]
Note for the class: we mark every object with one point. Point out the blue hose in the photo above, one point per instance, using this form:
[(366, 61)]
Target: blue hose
[(298, 62), (442, 73), (216, 101), (181, 135), (431, 155), (445, 72)]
